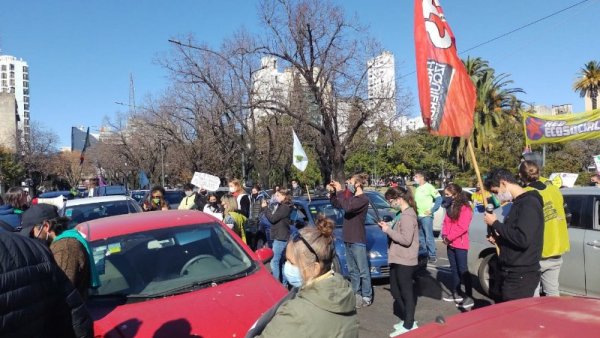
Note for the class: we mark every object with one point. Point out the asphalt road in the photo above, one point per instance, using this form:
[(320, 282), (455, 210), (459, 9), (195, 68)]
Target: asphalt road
[(377, 320)]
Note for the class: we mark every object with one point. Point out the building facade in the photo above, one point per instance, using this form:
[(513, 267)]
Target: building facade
[(553, 110), (8, 122), (382, 83), (14, 79)]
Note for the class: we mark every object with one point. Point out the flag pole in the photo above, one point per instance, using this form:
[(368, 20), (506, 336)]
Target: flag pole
[(308, 193), (475, 164)]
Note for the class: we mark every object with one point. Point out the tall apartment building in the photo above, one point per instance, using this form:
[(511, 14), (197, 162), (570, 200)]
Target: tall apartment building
[(14, 79), (554, 109), (382, 83), (8, 122)]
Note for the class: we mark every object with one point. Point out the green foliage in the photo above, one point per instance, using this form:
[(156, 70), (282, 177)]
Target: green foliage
[(11, 172), (312, 174)]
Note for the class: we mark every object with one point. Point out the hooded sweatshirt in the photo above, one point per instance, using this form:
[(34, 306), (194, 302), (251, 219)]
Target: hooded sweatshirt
[(8, 215), (325, 308)]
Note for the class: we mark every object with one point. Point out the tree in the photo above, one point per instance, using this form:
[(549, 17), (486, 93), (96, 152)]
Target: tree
[(39, 154), (11, 173), (588, 82)]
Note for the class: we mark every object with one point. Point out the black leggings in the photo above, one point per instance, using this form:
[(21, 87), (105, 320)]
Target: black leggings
[(401, 285)]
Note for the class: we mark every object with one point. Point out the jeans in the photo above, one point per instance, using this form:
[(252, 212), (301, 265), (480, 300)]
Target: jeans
[(401, 286), (278, 260), (517, 285), (426, 239), (460, 271), (550, 269), (358, 267)]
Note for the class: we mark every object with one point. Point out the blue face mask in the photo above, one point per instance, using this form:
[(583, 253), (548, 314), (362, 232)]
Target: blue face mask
[(352, 188), (292, 274)]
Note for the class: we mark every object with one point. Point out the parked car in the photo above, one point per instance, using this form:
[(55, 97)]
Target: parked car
[(305, 212), (378, 201), (529, 317), (579, 274), (138, 195), (87, 209), (53, 194), (176, 273), (110, 190)]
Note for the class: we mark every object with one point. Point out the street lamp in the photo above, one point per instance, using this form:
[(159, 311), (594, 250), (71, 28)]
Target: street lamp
[(162, 164)]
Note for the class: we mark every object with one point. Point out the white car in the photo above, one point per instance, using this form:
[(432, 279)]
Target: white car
[(579, 274), (86, 209), (438, 216)]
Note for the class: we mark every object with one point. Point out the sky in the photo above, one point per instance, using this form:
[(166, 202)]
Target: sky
[(81, 53)]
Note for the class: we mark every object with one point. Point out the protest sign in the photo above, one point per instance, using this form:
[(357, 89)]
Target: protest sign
[(540, 129), (206, 181), (567, 179)]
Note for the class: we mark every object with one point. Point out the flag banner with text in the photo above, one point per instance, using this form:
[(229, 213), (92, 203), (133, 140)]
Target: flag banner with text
[(446, 93), (540, 129)]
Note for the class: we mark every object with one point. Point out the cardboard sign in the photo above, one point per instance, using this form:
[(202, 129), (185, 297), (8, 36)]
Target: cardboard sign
[(206, 181), (597, 162)]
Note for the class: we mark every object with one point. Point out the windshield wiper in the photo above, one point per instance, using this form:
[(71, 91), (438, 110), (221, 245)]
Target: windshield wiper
[(198, 285)]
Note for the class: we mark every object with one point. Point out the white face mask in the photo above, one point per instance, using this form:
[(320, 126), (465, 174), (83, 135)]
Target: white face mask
[(189, 193), (505, 196), (292, 274)]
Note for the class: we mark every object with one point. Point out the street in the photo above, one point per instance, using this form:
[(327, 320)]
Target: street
[(377, 320)]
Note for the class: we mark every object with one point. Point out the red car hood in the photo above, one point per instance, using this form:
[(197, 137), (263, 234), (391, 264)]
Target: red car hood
[(226, 310)]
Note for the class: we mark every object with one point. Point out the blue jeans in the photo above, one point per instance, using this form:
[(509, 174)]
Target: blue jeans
[(278, 260), (358, 267), (460, 271), (426, 239)]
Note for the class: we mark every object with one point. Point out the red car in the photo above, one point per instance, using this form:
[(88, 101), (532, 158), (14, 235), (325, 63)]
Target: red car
[(530, 317), (176, 274)]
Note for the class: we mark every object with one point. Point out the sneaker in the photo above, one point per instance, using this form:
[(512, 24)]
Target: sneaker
[(432, 260), (402, 330), (401, 324), (359, 301), (453, 298), (366, 301), (466, 304)]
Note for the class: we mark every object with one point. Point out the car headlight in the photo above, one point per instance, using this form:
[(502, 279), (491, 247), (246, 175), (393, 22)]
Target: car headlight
[(375, 254)]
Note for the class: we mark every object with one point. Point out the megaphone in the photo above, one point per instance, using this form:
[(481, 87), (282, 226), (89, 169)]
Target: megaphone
[(58, 201)]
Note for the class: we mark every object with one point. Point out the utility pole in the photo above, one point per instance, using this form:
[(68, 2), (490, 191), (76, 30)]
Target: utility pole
[(162, 165)]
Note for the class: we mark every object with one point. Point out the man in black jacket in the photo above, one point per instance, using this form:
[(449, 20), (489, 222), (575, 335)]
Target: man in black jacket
[(37, 298), (520, 237)]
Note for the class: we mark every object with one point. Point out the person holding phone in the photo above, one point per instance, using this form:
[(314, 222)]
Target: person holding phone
[(403, 256)]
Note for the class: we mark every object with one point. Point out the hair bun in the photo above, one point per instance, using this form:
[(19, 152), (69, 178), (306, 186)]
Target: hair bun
[(325, 226)]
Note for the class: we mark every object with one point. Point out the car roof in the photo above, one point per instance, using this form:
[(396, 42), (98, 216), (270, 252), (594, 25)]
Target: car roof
[(581, 191), (529, 317), (113, 226), (99, 199)]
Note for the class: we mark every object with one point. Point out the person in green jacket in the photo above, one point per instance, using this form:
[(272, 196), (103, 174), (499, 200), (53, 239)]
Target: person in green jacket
[(324, 305)]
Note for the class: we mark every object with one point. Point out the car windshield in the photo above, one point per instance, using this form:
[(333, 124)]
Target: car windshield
[(337, 215), (87, 212), (167, 261), (138, 195), (378, 201)]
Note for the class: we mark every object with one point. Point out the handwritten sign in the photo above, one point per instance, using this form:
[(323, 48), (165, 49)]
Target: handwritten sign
[(206, 181)]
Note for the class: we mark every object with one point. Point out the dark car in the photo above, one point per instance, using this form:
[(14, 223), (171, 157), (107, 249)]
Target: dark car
[(305, 213), (378, 201), (110, 190)]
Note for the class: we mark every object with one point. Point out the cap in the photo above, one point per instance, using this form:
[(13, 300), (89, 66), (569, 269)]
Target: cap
[(35, 215)]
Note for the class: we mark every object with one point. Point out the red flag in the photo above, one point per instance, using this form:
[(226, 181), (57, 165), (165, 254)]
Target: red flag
[(446, 92)]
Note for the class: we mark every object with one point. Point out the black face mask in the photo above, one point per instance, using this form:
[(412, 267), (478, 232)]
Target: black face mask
[(447, 202), (213, 204), (255, 195)]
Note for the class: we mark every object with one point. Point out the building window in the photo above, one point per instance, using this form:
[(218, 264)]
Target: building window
[(25, 91), (25, 69), (12, 90), (12, 75), (4, 75), (4, 84), (12, 66), (26, 99), (25, 84), (4, 67), (26, 106), (25, 76), (12, 82)]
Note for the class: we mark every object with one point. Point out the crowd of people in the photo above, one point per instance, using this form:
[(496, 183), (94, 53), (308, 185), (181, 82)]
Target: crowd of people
[(530, 241)]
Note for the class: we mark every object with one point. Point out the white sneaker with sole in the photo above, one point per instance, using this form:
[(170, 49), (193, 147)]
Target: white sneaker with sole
[(403, 330), (401, 323)]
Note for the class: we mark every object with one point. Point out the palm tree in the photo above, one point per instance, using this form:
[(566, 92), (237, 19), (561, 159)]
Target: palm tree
[(496, 101), (589, 82)]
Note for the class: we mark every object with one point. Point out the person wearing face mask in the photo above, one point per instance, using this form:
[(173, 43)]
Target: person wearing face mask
[(403, 254), (280, 229), (322, 303), (189, 201), (213, 207), (428, 202), (252, 232), (455, 234), (156, 200), (556, 234), (242, 199), (71, 251), (520, 236), (16, 202), (355, 205)]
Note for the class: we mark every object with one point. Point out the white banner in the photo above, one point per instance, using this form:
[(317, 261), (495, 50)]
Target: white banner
[(597, 162), (564, 179), (206, 181)]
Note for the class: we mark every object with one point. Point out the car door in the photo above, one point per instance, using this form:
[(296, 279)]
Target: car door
[(592, 254), (580, 217)]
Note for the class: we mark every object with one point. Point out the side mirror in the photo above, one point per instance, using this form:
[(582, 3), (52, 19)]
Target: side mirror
[(264, 255), (387, 218)]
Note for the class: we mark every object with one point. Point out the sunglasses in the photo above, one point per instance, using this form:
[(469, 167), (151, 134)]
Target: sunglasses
[(157, 196), (296, 236)]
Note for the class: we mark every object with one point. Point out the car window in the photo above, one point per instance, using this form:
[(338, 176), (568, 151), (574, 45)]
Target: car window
[(378, 201), (298, 214), (579, 211), (160, 262), (87, 212)]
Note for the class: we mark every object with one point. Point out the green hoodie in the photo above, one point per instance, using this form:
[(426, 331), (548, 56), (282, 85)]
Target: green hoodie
[(326, 308)]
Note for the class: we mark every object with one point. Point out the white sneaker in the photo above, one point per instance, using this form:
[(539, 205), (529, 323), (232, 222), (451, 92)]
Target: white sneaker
[(453, 297), (366, 301), (401, 324), (359, 301), (402, 330)]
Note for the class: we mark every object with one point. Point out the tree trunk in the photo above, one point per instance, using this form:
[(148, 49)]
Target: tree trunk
[(594, 97)]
